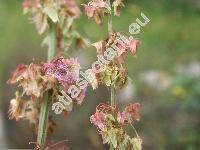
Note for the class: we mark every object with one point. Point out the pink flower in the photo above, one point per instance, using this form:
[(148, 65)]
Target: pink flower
[(122, 49), (81, 96), (89, 10), (98, 119), (133, 111), (66, 71), (95, 10), (132, 45), (121, 117), (72, 7), (120, 43), (105, 108), (26, 5), (129, 44), (16, 75), (98, 3), (31, 79)]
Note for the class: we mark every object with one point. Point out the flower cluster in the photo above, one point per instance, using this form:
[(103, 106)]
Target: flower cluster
[(41, 11), (120, 43), (32, 79), (62, 13), (23, 109), (96, 9), (66, 72), (110, 69), (36, 79), (113, 75), (110, 124)]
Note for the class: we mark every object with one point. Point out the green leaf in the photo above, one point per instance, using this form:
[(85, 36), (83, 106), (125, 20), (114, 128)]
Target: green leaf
[(107, 80), (110, 117), (113, 138), (124, 143)]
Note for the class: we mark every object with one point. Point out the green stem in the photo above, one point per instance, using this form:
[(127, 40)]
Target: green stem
[(113, 92), (111, 147), (110, 28), (52, 44), (112, 87), (43, 121), (46, 103), (134, 130), (112, 96)]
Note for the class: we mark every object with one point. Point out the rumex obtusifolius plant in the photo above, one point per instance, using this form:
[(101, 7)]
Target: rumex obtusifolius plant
[(109, 121)]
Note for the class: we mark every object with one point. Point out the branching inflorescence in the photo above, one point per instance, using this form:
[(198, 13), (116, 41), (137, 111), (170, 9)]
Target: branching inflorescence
[(45, 83), (113, 73)]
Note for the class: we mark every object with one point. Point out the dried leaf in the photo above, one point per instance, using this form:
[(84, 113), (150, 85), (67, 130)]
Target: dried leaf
[(117, 4), (136, 143), (51, 12)]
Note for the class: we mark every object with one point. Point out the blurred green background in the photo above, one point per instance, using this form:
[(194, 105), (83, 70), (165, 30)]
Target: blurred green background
[(165, 76)]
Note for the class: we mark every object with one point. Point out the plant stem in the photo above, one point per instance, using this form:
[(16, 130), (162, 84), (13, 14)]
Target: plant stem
[(52, 44), (110, 28), (112, 96), (134, 130), (43, 121), (46, 103), (112, 90)]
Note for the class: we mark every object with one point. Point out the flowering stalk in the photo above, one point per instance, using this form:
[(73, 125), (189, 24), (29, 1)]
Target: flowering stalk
[(109, 121), (112, 87), (52, 46), (112, 96), (45, 106), (43, 120), (46, 82), (110, 28)]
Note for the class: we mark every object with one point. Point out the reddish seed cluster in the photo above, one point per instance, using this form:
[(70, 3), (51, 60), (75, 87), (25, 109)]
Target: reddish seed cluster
[(95, 10), (66, 71), (111, 123), (129, 115), (120, 43), (36, 79)]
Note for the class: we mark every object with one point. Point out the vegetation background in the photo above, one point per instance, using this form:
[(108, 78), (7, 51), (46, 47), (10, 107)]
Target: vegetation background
[(166, 75)]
